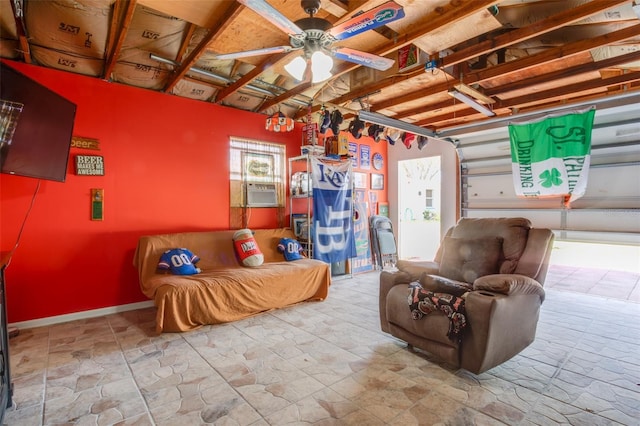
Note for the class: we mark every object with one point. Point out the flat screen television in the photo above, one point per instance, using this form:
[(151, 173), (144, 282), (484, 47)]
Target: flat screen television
[(42, 136)]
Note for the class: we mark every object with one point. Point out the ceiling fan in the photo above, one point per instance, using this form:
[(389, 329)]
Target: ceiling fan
[(315, 37)]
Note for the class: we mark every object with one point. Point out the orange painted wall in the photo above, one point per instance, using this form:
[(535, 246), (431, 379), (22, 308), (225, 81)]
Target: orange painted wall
[(166, 170)]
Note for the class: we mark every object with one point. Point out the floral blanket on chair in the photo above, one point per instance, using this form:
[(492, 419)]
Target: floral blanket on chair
[(423, 302)]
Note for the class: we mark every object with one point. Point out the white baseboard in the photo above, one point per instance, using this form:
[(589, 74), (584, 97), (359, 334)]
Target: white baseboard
[(81, 315)]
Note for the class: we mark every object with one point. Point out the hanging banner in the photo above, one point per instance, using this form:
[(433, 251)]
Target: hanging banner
[(333, 235), (551, 156)]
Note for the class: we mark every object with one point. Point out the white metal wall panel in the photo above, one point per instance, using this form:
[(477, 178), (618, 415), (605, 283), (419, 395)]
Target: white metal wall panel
[(551, 219), (603, 220)]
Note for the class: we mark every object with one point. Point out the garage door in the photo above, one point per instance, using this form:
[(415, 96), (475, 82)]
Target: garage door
[(610, 209)]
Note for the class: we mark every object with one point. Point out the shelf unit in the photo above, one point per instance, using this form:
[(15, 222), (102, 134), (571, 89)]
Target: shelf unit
[(301, 202)]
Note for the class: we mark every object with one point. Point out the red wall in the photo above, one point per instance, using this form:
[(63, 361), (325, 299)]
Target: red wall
[(166, 170)]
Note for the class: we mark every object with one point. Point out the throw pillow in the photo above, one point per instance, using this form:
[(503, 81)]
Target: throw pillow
[(439, 284), (247, 248), (179, 261), (291, 249), (467, 259)]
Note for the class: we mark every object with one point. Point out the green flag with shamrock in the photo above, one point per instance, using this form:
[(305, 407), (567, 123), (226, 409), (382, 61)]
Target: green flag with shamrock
[(551, 156)]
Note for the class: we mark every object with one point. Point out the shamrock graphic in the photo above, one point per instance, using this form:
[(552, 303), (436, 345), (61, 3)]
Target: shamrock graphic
[(548, 178)]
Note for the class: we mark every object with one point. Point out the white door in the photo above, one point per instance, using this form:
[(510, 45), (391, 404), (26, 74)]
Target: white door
[(419, 208)]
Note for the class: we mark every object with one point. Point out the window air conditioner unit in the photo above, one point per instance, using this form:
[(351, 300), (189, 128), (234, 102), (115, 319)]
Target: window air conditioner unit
[(261, 195)]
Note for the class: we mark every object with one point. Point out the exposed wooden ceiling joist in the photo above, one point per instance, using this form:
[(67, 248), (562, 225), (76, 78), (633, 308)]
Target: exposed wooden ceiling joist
[(521, 54), (123, 14), (216, 28)]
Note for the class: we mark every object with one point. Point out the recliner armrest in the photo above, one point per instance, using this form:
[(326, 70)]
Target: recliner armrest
[(499, 326), (509, 284), (415, 268)]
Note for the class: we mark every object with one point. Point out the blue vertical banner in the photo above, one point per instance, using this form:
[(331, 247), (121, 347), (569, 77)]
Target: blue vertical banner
[(333, 228)]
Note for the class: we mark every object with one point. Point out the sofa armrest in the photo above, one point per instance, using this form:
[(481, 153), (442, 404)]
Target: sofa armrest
[(510, 284), (499, 326), (387, 281)]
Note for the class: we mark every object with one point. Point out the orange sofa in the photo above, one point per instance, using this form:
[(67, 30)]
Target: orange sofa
[(225, 290)]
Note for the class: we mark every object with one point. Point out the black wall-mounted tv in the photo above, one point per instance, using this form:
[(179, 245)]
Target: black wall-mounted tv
[(42, 138)]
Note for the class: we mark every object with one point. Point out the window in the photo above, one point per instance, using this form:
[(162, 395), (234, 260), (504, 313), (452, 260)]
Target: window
[(428, 198), (255, 162)]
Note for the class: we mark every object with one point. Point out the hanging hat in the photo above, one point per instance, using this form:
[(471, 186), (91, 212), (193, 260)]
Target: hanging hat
[(393, 136), (326, 121), (336, 121), (408, 139), (356, 127), (375, 131), (384, 134), (422, 141)]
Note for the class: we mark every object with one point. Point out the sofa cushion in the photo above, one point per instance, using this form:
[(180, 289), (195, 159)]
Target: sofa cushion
[(467, 259), (438, 284), (513, 231)]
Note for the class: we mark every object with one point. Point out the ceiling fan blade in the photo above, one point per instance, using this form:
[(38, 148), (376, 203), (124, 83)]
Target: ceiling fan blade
[(363, 58), (374, 18), (265, 10), (256, 52)]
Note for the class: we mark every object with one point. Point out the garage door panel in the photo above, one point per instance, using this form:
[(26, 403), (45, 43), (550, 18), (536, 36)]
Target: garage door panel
[(604, 220)]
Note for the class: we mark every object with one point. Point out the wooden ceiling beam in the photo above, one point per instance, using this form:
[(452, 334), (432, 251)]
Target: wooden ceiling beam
[(268, 63), (539, 79), (223, 21), (191, 29), (514, 66), (563, 73), (122, 16), (543, 26), (563, 92), (256, 72), (570, 89), (448, 15), (550, 55), (18, 16), (421, 109), (412, 96), (445, 16)]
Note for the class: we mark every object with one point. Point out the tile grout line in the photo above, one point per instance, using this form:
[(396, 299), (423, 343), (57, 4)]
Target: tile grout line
[(133, 376)]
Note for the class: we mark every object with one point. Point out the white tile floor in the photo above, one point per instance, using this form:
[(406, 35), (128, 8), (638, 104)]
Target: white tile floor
[(328, 363)]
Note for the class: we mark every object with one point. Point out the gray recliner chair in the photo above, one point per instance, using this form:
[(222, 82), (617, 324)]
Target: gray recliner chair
[(496, 267)]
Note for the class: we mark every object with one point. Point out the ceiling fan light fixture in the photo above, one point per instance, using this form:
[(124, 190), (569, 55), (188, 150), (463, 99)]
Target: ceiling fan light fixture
[(296, 68), (321, 65)]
